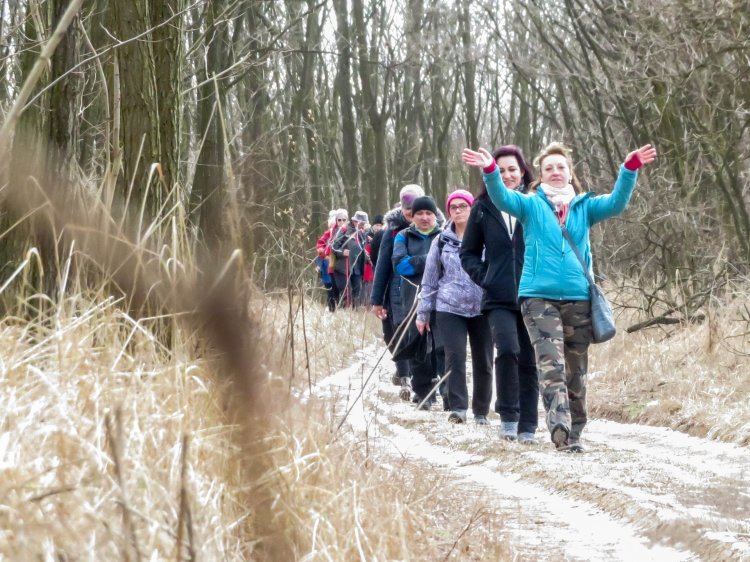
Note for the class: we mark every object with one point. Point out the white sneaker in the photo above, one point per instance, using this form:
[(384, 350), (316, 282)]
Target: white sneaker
[(509, 430), (526, 438)]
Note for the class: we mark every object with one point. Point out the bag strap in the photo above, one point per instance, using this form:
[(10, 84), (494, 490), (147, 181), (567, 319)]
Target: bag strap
[(567, 236)]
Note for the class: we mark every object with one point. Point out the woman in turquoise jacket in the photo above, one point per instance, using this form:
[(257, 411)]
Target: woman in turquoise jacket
[(553, 291)]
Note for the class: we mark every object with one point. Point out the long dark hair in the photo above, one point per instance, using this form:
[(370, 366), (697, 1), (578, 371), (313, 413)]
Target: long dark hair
[(517, 153)]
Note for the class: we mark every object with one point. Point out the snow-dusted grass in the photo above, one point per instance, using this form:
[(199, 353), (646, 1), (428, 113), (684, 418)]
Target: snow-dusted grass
[(694, 377), (95, 411), (62, 383)]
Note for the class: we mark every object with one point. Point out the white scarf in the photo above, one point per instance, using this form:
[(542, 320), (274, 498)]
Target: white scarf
[(558, 196)]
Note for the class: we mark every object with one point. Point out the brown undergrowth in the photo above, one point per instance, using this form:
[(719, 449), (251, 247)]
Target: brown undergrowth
[(169, 421), (692, 376), (97, 413)]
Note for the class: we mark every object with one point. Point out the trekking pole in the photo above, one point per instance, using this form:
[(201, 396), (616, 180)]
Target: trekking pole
[(406, 322), (348, 285), (434, 389)]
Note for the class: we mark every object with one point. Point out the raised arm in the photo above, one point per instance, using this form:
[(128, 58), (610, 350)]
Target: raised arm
[(504, 199), (605, 206)]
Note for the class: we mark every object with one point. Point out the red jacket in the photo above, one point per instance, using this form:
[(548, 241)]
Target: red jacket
[(326, 241), (369, 274)]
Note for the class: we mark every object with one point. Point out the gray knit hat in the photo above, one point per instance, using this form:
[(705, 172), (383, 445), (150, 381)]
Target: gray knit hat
[(408, 194)]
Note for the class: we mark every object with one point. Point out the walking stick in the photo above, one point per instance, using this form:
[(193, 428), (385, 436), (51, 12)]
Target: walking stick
[(348, 285)]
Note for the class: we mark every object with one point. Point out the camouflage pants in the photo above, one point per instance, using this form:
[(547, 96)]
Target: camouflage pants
[(560, 332)]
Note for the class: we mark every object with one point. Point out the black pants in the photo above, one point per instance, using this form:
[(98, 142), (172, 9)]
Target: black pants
[(423, 372), (349, 288), (332, 294), (516, 377), (452, 331), (402, 367)]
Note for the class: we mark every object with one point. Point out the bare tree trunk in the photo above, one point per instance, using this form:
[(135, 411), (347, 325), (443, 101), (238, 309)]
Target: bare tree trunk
[(343, 88), (469, 82), (168, 66), (369, 79), (408, 135), (208, 193), (140, 132)]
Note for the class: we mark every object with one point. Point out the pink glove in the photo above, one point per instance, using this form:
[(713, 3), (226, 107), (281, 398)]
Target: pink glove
[(644, 155), (633, 161)]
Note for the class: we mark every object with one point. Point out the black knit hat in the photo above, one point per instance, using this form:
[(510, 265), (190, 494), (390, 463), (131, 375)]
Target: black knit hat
[(425, 203), (377, 219)]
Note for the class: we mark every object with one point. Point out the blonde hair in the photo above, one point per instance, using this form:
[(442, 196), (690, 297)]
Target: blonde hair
[(562, 150)]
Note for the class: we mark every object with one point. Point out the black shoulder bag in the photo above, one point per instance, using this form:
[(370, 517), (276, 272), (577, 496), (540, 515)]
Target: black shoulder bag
[(602, 318)]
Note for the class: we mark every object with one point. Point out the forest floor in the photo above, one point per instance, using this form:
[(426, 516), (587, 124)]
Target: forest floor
[(637, 493)]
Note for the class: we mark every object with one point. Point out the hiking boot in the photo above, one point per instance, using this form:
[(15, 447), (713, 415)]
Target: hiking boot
[(559, 435), (405, 392), (457, 416), (526, 438), (396, 379), (509, 430), (481, 420)]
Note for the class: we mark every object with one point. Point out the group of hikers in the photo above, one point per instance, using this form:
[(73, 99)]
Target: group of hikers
[(500, 269), (345, 258)]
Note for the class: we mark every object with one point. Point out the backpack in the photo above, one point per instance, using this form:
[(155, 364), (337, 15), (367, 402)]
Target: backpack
[(442, 241)]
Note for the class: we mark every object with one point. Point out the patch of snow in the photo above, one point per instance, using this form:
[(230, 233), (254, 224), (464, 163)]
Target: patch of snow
[(569, 528)]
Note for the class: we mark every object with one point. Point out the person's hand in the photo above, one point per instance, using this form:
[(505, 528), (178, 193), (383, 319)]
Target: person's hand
[(321, 252), (346, 253), (379, 311), (423, 326), (637, 158), (478, 159)]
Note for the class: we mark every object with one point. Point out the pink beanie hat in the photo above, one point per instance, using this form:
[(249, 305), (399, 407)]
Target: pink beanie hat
[(459, 194)]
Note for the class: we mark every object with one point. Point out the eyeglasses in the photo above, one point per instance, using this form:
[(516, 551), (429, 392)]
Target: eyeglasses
[(461, 207), (340, 220)]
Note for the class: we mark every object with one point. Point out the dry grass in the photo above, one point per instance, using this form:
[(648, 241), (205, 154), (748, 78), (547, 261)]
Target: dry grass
[(59, 492), (123, 439), (70, 488), (694, 377), (345, 500), (95, 411)]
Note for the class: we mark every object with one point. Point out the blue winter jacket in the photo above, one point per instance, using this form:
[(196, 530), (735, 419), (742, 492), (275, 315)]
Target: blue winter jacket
[(410, 249), (551, 269)]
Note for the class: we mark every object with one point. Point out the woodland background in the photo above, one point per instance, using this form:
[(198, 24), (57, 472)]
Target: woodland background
[(165, 170), (263, 115)]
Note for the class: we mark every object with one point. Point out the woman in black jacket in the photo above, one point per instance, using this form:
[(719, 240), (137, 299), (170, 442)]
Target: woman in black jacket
[(492, 255)]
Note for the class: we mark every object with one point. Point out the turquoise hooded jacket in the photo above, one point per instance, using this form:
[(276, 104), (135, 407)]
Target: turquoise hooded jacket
[(551, 269)]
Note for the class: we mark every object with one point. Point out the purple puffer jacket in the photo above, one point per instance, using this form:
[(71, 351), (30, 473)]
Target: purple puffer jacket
[(446, 287)]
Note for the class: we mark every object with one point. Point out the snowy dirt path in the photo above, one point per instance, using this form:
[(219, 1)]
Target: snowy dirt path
[(638, 493)]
